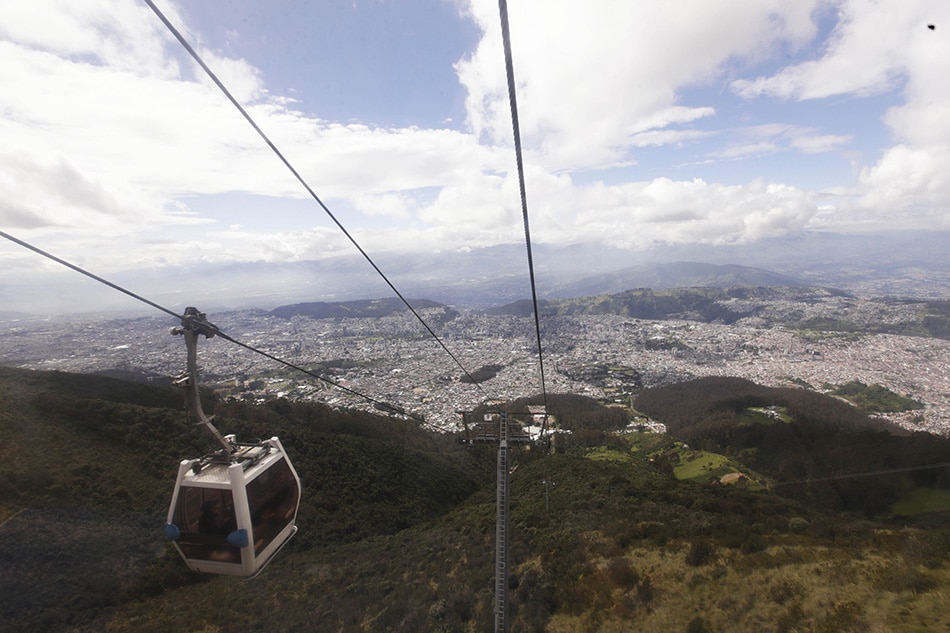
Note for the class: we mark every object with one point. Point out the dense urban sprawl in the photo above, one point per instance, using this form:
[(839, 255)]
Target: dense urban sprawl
[(394, 360)]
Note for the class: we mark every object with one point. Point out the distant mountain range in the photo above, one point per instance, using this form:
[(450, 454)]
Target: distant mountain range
[(909, 264), (675, 275), (774, 304), (659, 276)]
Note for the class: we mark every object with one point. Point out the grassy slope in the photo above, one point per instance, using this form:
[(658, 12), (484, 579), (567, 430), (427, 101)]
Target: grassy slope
[(619, 548), (87, 477), (395, 537)]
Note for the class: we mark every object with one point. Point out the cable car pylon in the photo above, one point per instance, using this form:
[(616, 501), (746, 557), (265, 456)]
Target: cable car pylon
[(496, 428), (502, 528)]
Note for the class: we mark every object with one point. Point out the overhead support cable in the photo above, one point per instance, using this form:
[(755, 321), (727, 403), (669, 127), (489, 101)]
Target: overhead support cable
[(872, 473), (516, 128), (211, 330), (191, 51), (380, 403)]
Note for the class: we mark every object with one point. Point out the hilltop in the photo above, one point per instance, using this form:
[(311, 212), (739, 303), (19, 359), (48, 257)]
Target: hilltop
[(681, 274), (911, 263), (397, 524), (367, 308), (797, 307)]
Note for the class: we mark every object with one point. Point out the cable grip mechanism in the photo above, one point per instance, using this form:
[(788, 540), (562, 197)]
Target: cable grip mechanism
[(194, 323)]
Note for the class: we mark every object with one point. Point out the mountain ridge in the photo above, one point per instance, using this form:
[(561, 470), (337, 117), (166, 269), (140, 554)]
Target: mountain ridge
[(898, 263), (654, 276), (360, 308)]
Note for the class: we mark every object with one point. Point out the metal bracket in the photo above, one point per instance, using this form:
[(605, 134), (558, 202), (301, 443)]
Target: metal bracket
[(194, 323)]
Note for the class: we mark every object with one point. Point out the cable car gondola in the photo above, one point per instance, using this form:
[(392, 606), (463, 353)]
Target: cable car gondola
[(235, 508)]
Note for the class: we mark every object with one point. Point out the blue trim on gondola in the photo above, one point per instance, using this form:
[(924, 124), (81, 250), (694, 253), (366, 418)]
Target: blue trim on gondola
[(238, 538)]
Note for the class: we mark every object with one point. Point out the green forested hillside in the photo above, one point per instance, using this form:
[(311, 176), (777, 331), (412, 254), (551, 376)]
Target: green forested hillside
[(397, 524), (809, 437), (368, 308), (93, 473)]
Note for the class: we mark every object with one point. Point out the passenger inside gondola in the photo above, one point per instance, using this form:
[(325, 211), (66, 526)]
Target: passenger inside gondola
[(215, 518), (272, 498), (207, 517)]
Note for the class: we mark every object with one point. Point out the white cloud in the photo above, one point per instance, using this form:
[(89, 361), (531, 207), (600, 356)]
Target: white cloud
[(667, 211), (912, 185), (911, 181), (123, 35), (240, 78), (593, 75), (153, 137), (866, 54), (394, 205), (772, 138), (632, 215), (819, 143), (109, 130), (876, 47), (37, 192), (656, 138)]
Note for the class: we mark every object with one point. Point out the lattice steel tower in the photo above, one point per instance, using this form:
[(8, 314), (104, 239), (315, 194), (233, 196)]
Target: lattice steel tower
[(501, 529)]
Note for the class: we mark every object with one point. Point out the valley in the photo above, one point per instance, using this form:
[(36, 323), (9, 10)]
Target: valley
[(811, 338)]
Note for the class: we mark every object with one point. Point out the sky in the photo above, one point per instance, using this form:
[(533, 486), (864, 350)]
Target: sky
[(643, 123)]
